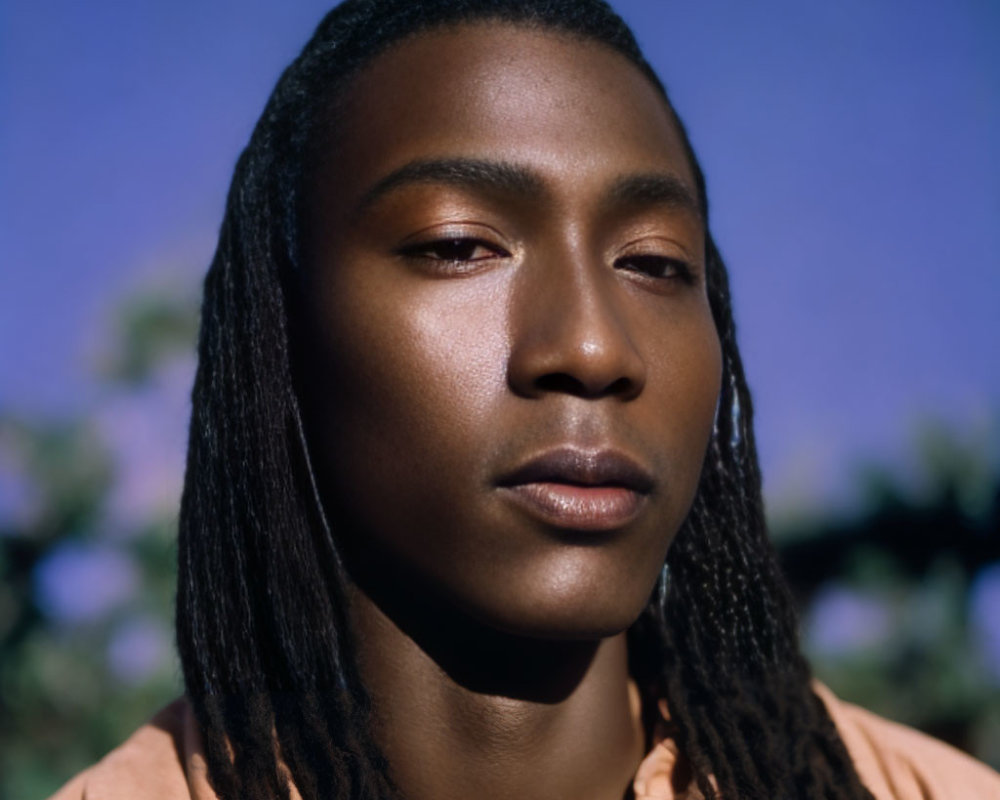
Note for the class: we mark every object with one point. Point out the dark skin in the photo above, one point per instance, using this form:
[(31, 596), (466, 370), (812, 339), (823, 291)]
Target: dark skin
[(505, 267)]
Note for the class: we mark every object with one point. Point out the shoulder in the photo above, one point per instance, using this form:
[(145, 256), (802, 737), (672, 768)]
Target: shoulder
[(899, 763), (154, 763)]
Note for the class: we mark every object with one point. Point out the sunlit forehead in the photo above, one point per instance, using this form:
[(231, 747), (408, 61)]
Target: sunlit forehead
[(564, 107)]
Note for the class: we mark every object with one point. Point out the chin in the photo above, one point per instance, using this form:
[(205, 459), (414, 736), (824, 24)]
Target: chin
[(571, 613)]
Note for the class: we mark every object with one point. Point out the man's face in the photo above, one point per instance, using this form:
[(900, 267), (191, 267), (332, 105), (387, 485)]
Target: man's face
[(513, 368)]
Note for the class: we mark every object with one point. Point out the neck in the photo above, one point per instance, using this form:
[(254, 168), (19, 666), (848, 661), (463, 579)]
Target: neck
[(467, 712)]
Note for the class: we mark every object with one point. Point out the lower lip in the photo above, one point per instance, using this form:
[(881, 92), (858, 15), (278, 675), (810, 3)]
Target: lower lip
[(579, 508)]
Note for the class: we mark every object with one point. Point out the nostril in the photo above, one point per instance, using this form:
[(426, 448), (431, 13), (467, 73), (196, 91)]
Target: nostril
[(564, 383), (622, 386), (560, 383)]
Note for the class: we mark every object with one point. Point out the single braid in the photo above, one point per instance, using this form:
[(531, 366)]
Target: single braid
[(737, 686)]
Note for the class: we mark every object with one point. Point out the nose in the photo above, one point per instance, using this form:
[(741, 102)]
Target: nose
[(571, 335)]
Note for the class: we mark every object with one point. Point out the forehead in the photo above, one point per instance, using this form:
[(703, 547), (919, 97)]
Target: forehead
[(547, 100)]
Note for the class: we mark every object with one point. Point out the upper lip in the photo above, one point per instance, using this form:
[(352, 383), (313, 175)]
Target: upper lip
[(581, 467)]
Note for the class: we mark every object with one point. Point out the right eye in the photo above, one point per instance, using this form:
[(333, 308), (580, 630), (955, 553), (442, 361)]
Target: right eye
[(656, 266), (459, 250)]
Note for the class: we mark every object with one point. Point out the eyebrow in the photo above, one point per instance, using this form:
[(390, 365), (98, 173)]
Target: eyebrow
[(654, 189), (640, 189), (461, 172)]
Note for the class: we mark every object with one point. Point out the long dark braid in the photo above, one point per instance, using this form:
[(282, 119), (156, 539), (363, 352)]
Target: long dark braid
[(261, 627), (728, 661)]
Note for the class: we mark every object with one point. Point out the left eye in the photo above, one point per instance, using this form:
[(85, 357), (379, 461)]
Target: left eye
[(455, 250), (655, 266)]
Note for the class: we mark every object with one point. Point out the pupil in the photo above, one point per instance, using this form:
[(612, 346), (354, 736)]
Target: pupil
[(649, 264), (458, 249)]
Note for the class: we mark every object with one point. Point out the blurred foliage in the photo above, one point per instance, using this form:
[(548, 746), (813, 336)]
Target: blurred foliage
[(897, 599), (86, 597), (901, 600), (153, 327)]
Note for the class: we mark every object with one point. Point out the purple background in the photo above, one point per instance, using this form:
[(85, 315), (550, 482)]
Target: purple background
[(851, 151)]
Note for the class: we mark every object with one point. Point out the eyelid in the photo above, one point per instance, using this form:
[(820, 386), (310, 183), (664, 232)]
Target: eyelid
[(445, 231), (655, 246), (454, 248), (660, 251)]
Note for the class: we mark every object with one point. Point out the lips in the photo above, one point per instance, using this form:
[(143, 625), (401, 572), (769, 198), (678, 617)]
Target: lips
[(581, 490)]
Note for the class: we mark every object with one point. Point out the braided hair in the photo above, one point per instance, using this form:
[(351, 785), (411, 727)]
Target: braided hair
[(261, 622)]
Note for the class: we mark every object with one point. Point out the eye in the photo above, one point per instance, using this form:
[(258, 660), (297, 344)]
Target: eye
[(460, 250), (656, 266)]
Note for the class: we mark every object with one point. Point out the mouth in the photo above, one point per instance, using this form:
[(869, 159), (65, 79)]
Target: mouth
[(580, 490)]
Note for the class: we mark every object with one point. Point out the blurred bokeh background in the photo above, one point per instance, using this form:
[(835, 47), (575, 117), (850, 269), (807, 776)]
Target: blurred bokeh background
[(854, 173)]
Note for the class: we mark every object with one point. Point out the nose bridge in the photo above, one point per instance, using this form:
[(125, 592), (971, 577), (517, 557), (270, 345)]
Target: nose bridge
[(570, 332)]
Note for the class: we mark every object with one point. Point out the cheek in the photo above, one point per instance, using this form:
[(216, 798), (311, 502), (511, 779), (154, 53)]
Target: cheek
[(697, 377), (416, 371), (686, 387)]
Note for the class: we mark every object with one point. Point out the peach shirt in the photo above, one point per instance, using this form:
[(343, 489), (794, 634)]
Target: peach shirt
[(163, 760)]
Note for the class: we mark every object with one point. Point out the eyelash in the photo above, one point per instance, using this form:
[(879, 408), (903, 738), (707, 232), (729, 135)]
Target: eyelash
[(658, 267), (457, 252)]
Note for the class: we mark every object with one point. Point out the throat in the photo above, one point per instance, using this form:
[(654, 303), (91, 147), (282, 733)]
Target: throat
[(497, 717)]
